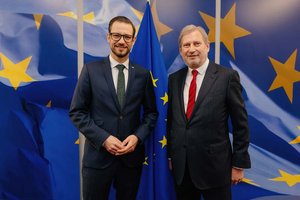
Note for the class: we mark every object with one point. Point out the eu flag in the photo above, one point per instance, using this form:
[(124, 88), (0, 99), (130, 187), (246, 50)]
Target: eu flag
[(156, 182), (38, 154)]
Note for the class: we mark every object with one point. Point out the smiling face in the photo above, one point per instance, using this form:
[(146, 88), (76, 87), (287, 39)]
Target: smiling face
[(120, 48), (193, 49)]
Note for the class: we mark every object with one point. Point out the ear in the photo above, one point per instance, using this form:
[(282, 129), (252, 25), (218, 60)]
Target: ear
[(133, 40), (180, 51), (208, 46), (107, 37)]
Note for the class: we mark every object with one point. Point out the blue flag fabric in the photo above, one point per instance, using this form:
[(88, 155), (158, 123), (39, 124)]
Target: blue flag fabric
[(24, 173), (96, 16), (38, 154), (38, 7), (156, 182), (270, 75)]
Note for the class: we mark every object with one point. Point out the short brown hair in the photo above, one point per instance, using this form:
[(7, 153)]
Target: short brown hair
[(121, 19)]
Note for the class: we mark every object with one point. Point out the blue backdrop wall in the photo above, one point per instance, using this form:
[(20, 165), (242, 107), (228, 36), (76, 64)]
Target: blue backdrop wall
[(38, 72)]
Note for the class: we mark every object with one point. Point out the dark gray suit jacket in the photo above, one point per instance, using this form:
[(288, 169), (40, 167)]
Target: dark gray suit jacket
[(203, 140), (96, 112)]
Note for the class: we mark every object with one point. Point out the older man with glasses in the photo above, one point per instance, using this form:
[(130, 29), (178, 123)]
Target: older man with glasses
[(106, 107)]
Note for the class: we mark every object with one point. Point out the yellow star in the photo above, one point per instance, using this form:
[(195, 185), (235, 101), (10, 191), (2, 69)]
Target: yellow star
[(49, 104), (146, 161), (249, 181), (88, 18), (165, 98), (38, 19), (153, 80), (286, 75), (229, 30), (297, 140), (290, 179), (77, 141), (139, 16), (161, 29), (163, 142), (15, 73)]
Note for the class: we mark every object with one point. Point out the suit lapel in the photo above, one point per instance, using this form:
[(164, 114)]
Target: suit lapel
[(131, 75), (110, 82), (181, 83), (209, 79)]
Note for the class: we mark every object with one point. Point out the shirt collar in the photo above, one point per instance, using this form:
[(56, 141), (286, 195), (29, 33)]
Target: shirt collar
[(202, 69), (114, 63)]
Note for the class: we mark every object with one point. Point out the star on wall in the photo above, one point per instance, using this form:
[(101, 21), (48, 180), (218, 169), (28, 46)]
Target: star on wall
[(229, 29), (249, 181), (38, 19), (161, 28), (290, 179), (297, 140), (163, 142), (15, 73), (286, 75), (139, 15), (49, 104), (88, 18)]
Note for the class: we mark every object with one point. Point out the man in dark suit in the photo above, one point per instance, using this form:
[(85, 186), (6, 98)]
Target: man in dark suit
[(202, 96), (106, 107)]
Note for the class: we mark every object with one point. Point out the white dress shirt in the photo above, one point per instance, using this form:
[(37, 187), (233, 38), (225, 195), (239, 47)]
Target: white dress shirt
[(201, 73), (115, 71)]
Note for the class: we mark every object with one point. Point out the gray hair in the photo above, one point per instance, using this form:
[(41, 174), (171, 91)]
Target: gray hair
[(191, 28)]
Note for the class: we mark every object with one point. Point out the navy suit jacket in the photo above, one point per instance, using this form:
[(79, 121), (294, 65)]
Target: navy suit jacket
[(203, 141), (96, 112)]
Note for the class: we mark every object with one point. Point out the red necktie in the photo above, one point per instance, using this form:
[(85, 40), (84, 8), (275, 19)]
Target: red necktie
[(192, 94)]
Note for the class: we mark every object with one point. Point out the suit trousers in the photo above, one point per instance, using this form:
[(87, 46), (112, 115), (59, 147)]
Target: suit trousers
[(187, 190), (97, 182)]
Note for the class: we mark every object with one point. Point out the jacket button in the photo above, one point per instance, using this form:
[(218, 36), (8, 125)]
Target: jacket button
[(121, 117)]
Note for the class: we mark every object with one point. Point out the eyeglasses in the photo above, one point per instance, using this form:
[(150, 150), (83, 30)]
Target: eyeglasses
[(117, 37)]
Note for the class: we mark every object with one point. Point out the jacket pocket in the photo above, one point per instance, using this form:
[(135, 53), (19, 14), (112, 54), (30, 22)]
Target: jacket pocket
[(219, 147)]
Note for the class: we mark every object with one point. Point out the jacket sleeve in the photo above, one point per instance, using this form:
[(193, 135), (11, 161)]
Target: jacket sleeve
[(80, 111), (150, 113), (239, 120)]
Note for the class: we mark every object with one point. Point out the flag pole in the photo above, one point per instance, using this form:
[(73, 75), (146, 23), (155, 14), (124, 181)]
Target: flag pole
[(218, 31), (80, 62)]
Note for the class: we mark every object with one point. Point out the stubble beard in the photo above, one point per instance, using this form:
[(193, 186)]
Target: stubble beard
[(122, 54)]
